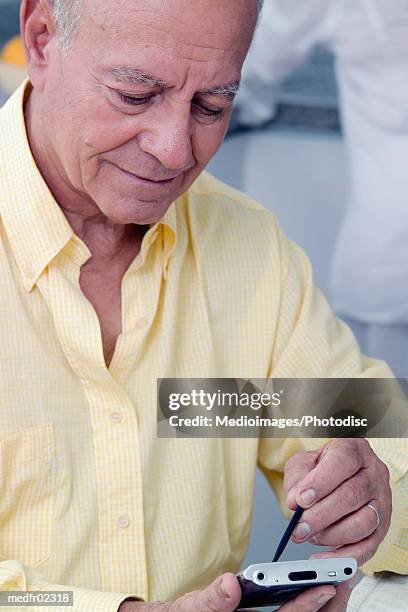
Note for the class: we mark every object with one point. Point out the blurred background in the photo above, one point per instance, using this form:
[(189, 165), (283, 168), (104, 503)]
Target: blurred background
[(289, 149), (8, 19)]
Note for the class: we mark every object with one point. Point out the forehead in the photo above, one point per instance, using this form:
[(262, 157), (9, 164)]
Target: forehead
[(199, 31)]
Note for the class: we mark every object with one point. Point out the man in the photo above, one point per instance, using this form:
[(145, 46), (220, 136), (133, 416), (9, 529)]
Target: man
[(119, 266), (369, 39)]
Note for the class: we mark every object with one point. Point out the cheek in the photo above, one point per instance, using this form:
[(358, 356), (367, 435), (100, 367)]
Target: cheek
[(106, 131), (100, 135), (206, 140)]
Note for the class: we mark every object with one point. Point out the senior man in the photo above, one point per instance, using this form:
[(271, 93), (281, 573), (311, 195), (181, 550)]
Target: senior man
[(120, 264)]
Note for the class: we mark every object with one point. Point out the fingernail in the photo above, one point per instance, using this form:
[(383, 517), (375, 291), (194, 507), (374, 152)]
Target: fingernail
[(322, 599), (308, 497), (222, 590), (302, 531)]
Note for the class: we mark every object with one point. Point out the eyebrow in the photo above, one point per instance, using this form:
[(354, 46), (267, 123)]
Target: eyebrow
[(136, 76), (229, 90)]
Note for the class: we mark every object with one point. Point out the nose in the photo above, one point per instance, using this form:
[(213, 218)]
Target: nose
[(168, 138)]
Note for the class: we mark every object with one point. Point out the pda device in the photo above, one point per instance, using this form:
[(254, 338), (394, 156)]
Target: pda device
[(273, 584)]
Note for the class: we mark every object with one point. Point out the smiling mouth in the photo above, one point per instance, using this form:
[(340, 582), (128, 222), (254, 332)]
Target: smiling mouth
[(144, 179)]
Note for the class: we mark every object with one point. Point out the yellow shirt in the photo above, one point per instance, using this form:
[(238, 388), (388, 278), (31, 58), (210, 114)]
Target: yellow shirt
[(89, 497)]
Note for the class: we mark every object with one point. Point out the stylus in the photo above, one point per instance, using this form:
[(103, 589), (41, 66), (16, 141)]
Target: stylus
[(289, 530)]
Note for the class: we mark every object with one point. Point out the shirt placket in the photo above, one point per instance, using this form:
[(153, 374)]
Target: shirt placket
[(113, 416), (141, 288)]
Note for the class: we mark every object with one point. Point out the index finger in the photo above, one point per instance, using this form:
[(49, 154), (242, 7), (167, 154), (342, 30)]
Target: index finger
[(297, 467), (338, 462)]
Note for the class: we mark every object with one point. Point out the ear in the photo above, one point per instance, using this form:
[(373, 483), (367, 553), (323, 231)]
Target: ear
[(38, 31)]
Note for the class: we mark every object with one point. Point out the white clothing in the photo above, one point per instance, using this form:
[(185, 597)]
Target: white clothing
[(370, 41), (388, 593)]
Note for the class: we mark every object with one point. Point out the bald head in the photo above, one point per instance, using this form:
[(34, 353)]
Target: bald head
[(67, 14)]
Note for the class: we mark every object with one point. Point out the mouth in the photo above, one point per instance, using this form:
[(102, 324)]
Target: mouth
[(146, 180)]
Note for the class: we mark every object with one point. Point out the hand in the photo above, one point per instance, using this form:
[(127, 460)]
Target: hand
[(224, 594), (335, 484), (325, 598)]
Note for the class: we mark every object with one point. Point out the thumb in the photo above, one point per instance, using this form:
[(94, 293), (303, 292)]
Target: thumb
[(339, 603), (222, 595), (296, 469)]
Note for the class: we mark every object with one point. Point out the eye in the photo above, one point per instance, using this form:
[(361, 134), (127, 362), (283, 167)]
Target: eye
[(132, 100), (205, 111)]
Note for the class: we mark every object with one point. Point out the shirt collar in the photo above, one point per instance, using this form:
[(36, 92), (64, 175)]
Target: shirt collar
[(34, 223)]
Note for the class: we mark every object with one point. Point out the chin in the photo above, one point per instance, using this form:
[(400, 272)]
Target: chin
[(135, 211)]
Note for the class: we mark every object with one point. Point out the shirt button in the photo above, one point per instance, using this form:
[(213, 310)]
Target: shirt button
[(123, 521), (116, 417), (141, 323)]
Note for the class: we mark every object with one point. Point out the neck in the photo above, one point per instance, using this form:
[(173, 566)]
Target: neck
[(104, 238)]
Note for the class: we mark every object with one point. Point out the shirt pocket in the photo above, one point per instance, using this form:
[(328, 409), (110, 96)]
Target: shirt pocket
[(26, 500)]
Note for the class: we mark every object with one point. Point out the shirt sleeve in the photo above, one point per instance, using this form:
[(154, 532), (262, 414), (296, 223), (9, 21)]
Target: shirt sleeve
[(311, 343), (15, 576)]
